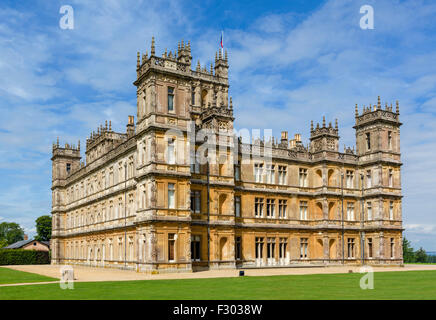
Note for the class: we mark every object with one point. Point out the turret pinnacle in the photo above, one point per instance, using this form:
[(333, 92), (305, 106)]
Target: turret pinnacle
[(153, 48)]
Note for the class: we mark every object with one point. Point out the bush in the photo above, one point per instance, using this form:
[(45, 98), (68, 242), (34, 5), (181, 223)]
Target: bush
[(21, 256)]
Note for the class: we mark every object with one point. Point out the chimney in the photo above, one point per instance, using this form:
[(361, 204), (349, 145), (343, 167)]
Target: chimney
[(284, 139), (131, 126), (297, 137), (26, 237)]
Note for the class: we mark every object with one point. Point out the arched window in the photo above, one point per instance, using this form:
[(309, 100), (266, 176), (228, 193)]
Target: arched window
[(204, 98)]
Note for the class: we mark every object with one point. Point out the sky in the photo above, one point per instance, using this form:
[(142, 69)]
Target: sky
[(290, 62)]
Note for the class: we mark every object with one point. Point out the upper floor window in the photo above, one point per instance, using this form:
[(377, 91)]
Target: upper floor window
[(368, 179), (283, 205), (303, 210), (350, 211), (193, 96), (389, 140), (303, 177), (238, 172), (350, 179), (196, 201), (282, 175), (171, 196), (237, 206), (171, 152), (258, 207), (368, 141), (270, 174), (258, 172), (391, 210), (68, 167), (391, 179), (270, 208), (369, 210), (170, 99)]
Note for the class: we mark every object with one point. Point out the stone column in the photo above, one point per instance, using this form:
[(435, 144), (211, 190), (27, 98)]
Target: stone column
[(325, 209), (381, 248), (325, 243)]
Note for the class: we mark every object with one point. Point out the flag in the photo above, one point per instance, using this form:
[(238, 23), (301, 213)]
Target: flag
[(222, 41)]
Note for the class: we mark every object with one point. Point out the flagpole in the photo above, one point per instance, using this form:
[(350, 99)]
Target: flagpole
[(222, 43)]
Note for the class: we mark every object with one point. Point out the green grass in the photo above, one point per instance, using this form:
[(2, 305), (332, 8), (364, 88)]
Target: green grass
[(13, 276), (387, 285)]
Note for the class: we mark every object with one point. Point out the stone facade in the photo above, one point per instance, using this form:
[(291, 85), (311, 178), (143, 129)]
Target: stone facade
[(142, 202)]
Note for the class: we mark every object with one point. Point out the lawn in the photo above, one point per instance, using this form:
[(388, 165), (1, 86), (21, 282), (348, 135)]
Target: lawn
[(13, 276), (387, 285)]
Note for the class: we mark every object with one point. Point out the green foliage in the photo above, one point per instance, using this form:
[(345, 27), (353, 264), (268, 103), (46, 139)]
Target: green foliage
[(408, 254), (3, 243), (21, 256), (421, 256), (11, 232), (43, 228), (431, 259)]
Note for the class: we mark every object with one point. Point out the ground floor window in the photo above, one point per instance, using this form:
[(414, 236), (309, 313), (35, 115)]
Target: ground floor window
[(303, 247), (283, 247), (238, 248), (392, 247), (350, 247), (369, 247), (195, 248), (271, 248), (171, 246), (259, 247)]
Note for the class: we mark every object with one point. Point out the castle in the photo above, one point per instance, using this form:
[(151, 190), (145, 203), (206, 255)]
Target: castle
[(147, 199)]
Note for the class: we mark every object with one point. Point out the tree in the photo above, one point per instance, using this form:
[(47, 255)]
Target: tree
[(421, 256), (3, 243), (408, 254), (43, 228), (11, 232)]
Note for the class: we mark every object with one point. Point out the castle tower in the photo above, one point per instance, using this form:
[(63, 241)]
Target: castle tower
[(324, 138), (65, 160), (378, 151), (378, 132)]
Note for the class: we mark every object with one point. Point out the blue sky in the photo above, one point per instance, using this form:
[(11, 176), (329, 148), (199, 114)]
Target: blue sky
[(290, 62)]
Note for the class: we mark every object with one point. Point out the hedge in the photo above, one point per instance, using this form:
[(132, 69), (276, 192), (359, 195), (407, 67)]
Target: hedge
[(21, 256)]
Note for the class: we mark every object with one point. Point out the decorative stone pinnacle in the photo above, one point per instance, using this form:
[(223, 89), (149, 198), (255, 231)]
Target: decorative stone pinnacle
[(323, 121), (153, 48)]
